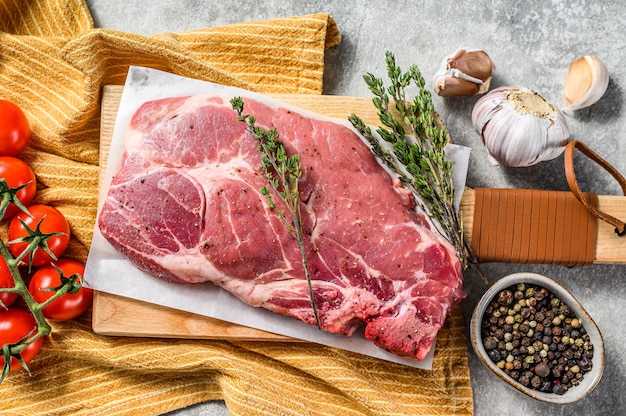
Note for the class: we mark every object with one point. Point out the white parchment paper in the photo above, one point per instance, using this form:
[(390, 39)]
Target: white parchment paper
[(108, 271)]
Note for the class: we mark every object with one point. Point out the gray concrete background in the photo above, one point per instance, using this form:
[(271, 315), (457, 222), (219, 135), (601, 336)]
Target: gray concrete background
[(532, 44)]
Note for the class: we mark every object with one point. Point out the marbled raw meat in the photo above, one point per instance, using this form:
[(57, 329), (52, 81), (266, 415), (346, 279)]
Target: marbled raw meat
[(186, 206)]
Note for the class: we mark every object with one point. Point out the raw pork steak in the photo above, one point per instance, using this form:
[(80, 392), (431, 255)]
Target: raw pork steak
[(186, 206)]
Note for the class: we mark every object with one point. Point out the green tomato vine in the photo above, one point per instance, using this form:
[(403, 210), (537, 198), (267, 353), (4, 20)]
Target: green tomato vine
[(36, 239)]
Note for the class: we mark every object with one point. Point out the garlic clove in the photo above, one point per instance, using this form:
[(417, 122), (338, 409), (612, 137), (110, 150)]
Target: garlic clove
[(586, 82), (519, 127), (464, 73), (447, 86)]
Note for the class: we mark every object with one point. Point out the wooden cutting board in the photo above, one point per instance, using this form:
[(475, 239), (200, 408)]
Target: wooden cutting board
[(116, 315)]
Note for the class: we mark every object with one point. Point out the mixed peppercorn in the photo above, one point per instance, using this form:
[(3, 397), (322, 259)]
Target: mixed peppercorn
[(536, 339)]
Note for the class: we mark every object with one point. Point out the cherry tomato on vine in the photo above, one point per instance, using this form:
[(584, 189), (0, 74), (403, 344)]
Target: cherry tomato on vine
[(68, 306), (50, 221), (15, 324), (17, 173), (6, 280), (14, 129)]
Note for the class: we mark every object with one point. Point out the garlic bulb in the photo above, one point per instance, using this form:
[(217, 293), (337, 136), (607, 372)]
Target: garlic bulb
[(586, 82), (464, 73), (519, 127)]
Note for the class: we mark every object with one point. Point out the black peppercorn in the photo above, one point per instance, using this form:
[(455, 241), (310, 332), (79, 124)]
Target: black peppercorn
[(505, 297), (542, 370), (524, 380), (490, 343), (494, 355), (536, 339), (558, 389), (584, 364), (535, 382), (546, 386)]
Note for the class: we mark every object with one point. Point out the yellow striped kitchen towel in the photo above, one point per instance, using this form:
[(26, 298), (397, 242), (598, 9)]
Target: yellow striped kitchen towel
[(53, 63)]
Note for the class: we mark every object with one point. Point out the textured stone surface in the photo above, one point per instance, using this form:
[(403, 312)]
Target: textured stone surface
[(532, 44)]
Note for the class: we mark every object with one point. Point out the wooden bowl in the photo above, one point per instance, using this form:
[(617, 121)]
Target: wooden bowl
[(590, 378)]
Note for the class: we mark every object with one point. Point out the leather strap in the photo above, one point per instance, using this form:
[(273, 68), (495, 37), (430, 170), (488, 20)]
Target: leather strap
[(533, 226), (620, 226)]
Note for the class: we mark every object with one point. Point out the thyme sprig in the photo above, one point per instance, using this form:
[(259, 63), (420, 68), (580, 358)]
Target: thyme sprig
[(418, 156), (283, 173)]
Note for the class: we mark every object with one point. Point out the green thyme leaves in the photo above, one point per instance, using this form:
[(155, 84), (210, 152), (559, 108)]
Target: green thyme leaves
[(283, 173), (411, 143)]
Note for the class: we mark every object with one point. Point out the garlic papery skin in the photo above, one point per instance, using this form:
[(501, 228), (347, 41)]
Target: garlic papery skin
[(586, 82), (464, 73), (519, 127)]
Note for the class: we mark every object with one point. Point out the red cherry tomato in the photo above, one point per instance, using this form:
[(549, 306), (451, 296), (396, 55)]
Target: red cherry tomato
[(14, 129), (51, 221), (17, 173), (6, 280), (68, 306), (15, 324)]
